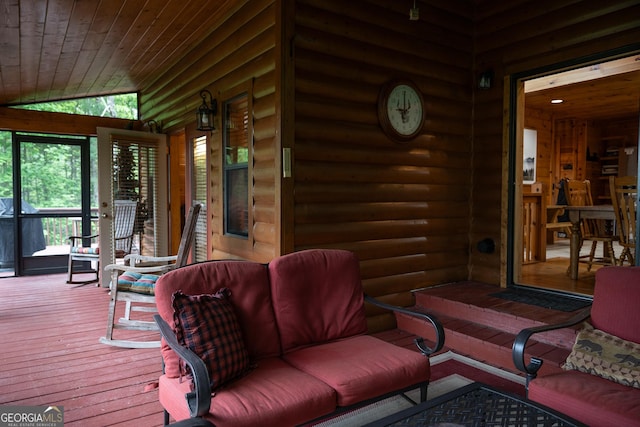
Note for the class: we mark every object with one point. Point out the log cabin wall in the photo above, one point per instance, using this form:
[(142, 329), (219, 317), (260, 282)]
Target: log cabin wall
[(412, 212), (240, 53), (403, 208), (542, 122), (514, 37)]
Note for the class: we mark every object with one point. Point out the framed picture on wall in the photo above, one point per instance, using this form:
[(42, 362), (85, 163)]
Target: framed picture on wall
[(529, 149)]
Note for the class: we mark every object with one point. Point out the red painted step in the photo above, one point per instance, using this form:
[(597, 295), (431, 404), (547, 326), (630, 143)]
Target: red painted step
[(484, 327)]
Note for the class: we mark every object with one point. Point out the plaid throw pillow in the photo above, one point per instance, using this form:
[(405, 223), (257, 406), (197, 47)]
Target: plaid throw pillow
[(208, 326)]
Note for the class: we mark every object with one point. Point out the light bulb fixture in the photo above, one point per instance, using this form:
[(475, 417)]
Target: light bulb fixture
[(485, 80), (414, 12), (153, 126), (205, 114)]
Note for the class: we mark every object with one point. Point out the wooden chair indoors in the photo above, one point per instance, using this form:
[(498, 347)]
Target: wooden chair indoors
[(134, 285), (624, 193), (84, 249), (595, 230)]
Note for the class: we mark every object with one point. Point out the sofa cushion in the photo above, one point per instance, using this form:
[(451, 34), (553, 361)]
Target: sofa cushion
[(317, 297), (615, 302), (207, 325), (274, 394), (249, 285), (588, 398), (361, 367), (605, 355)]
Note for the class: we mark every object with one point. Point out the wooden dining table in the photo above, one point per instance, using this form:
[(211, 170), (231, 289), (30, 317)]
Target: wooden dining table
[(576, 215)]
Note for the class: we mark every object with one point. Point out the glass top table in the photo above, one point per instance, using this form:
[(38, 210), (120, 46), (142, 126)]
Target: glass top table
[(477, 404)]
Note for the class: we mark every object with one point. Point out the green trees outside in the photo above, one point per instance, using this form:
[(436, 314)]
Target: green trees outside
[(50, 171), (6, 168), (123, 106)]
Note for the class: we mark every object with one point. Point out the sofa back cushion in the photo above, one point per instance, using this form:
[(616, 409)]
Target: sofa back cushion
[(248, 283), (317, 297), (616, 299)]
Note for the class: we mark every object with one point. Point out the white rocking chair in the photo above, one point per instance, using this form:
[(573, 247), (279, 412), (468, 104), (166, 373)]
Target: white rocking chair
[(124, 219), (134, 285)]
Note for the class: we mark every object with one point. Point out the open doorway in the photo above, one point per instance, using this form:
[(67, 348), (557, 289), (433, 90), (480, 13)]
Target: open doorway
[(49, 194), (580, 124)]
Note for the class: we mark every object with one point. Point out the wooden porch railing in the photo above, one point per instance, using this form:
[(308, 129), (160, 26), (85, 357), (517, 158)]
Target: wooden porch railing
[(57, 229)]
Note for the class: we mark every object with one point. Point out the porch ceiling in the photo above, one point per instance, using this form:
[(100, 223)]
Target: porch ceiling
[(597, 91), (59, 49)]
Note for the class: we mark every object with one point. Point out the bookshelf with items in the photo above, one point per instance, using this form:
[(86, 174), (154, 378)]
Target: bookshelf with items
[(614, 162)]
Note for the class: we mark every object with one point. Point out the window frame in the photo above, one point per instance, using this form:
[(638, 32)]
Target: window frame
[(237, 244)]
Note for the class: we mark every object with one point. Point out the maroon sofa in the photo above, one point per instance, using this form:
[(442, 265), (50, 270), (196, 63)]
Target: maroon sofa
[(600, 385), (302, 319)]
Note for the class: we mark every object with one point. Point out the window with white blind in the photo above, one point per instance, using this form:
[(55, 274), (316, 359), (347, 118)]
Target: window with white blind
[(199, 183), (135, 178), (236, 143)]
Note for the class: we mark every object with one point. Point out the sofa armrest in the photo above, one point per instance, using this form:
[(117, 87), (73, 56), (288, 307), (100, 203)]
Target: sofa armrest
[(523, 336), (199, 400), (424, 316)]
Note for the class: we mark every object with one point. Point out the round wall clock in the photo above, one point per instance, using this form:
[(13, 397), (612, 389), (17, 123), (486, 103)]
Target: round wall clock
[(401, 110)]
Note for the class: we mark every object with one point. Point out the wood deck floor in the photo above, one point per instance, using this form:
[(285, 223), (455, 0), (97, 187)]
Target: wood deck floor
[(52, 356)]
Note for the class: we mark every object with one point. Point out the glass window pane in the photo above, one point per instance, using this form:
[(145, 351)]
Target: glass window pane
[(236, 165), (237, 131), (199, 180), (237, 202)]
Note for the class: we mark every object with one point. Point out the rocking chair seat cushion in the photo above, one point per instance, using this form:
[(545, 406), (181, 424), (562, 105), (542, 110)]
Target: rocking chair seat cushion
[(208, 326), (85, 250), (131, 281)]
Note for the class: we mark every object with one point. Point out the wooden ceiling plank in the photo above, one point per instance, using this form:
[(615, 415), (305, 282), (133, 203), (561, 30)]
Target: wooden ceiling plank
[(112, 48), (11, 83), (185, 45), (618, 95), (591, 72), (164, 36), (32, 20), (55, 28), (69, 67), (135, 43), (10, 48), (195, 22), (10, 34), (96, 40)]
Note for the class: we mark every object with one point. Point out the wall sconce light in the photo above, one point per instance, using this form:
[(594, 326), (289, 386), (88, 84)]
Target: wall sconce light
[(153, 126), (414, 12), (486, 79), (205, 114)]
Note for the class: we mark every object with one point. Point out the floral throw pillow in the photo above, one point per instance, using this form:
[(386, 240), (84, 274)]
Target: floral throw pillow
[(208, 326), (605, 355)]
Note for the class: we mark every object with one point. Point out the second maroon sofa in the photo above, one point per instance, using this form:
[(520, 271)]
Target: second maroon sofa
[(600, 383)]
